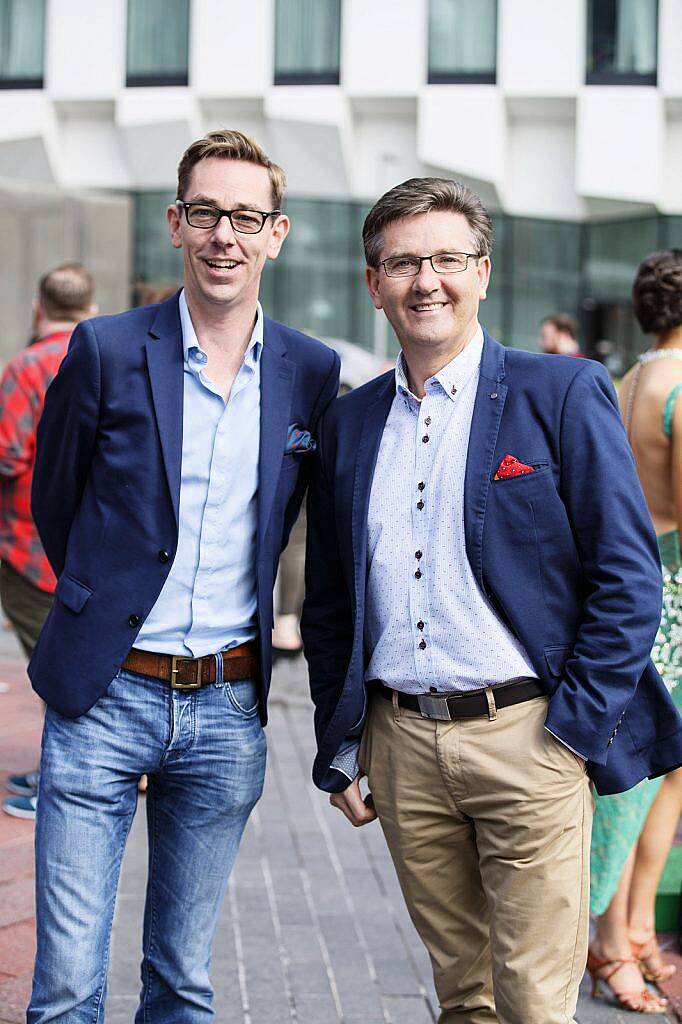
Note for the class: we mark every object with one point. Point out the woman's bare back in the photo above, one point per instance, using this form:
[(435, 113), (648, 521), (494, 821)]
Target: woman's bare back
[(658, 458)]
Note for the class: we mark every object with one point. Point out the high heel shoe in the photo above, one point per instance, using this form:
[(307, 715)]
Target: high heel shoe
[(643, 1001), (649, 951)]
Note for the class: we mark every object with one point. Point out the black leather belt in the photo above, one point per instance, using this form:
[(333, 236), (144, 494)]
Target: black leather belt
[(475, 704)]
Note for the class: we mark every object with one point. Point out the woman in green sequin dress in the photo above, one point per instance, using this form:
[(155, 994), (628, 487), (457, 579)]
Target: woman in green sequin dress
[(633, 831)]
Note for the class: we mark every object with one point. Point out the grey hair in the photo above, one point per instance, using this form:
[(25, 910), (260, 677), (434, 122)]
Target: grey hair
[(423, 195)]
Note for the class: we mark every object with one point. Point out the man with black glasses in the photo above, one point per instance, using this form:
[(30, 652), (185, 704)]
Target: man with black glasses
[(172, 458)]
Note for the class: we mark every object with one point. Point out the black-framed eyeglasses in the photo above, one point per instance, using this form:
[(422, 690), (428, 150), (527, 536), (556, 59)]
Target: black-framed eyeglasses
[(245, 222), (442, 263)]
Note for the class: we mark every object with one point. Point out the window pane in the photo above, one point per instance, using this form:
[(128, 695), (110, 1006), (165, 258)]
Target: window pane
[(462, 37), (155, 257), (22, 32), (622, 37), (307, 37), (542, 275), (158, 32)]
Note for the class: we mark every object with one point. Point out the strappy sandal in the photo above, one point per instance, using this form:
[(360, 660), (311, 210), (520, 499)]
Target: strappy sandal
[(648, 951), (644, 1001)]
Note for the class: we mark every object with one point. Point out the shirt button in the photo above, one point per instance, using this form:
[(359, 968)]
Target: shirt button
[(417, 555), (422, 645), (163, 556), (418, 575), (133, 620), (420, 624), (420, 505), (421, 485), (427, 421), (425, 438)]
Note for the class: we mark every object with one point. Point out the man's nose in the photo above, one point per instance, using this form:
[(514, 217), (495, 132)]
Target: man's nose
[(427, 280), (223, 232)]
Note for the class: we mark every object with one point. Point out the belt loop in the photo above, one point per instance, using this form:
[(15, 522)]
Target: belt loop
[(396, 706), (492, 707), (219, 681)]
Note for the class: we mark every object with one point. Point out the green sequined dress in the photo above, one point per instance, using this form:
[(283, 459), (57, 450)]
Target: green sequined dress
[(618, 819)]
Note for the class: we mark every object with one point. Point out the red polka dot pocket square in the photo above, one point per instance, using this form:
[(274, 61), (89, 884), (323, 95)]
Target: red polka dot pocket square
[(510, 467)]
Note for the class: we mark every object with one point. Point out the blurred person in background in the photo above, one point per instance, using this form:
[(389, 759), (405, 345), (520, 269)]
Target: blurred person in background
[(65, 297), (627, 859), (559, 335), (172, 458)]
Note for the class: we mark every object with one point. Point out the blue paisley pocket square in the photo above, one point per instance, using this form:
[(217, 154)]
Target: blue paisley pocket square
[(299, 441)]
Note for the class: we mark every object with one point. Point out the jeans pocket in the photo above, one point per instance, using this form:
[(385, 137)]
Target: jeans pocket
[(243, 696)]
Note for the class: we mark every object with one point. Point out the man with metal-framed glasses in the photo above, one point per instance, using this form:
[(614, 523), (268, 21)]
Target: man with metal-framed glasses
[(483, 591), (172, 458)]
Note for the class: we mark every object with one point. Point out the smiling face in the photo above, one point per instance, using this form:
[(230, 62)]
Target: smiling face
[(222, 268), (430, 311)]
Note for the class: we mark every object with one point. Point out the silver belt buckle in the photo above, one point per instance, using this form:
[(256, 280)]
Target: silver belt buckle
[(434, 707)]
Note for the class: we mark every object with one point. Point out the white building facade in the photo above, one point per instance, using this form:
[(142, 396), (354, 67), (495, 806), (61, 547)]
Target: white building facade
[(565, 116)]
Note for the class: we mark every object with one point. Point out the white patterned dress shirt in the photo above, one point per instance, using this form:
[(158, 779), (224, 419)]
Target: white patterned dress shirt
[(428, 624)]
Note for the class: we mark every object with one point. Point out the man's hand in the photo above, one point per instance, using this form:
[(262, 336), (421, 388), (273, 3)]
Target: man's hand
[(358, 809)]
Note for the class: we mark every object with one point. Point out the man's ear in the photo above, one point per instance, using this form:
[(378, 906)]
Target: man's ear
[(372, 279), (280, 230), (483, 270), (173, 221)]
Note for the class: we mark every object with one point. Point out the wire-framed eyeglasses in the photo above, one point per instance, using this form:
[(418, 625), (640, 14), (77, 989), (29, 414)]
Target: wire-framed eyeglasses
[(245, 222), (442, 263)]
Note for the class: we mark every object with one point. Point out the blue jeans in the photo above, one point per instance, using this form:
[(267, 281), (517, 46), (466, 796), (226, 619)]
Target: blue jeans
[(204, 753)]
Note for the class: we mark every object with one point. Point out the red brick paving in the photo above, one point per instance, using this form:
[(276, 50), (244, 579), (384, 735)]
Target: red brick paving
[(20, 728)]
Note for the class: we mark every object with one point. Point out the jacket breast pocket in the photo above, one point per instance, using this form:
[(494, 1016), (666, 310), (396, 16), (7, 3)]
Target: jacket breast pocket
[(72, 593)]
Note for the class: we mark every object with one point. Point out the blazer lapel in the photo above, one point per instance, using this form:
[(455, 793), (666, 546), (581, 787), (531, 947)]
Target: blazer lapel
[(485, 425), (365, 461), (165, 366), (277, 375)]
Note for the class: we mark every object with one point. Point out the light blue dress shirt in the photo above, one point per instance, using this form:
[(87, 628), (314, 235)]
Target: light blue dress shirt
[(208, 602)]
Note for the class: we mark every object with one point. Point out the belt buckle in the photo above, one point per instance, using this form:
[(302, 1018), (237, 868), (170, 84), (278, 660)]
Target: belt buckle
[(434, 707), (175, 658)]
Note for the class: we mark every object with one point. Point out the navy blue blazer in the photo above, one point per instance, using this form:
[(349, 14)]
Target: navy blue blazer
[(106, 486), (567, 556)]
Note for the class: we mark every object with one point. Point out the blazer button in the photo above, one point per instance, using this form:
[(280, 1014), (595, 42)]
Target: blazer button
[(133, 620), (163, 556)]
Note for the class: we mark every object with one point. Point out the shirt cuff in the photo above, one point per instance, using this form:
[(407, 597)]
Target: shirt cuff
[(564, 744), (346, 762)]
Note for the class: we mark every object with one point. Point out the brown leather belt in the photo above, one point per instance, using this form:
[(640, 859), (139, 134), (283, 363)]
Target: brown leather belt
[(192, 673), (448, 707)]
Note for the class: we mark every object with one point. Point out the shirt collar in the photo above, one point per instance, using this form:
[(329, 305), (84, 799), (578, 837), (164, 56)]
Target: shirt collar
[(453, 376), (190, 342)]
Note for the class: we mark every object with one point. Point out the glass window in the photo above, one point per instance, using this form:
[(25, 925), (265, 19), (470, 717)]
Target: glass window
[(462, 41), (307, 42), (622, 38), (22, 37), (158, 38)]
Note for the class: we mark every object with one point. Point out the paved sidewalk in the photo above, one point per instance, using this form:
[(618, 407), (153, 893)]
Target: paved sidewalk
[(313, 931)]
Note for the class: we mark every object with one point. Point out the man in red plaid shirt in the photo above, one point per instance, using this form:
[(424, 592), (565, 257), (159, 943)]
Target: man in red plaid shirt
[(26, 579)]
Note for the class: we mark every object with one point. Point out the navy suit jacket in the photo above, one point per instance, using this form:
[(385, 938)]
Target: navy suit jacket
[(566, 555), (106, 486)]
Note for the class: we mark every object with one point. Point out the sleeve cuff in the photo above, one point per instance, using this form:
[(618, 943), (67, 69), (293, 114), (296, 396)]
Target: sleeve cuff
[(346, 762)]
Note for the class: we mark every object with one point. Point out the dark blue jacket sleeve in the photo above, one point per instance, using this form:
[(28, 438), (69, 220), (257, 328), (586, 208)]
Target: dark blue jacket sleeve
[(65, 442), (619, 556)]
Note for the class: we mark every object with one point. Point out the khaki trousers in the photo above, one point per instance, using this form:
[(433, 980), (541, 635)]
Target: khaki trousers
[(488, 825)]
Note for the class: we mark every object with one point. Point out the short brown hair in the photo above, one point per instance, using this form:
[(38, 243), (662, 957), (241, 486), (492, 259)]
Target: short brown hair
[(66, 292), (230, 145), (422, 195), (657, 292), (565, 323)]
